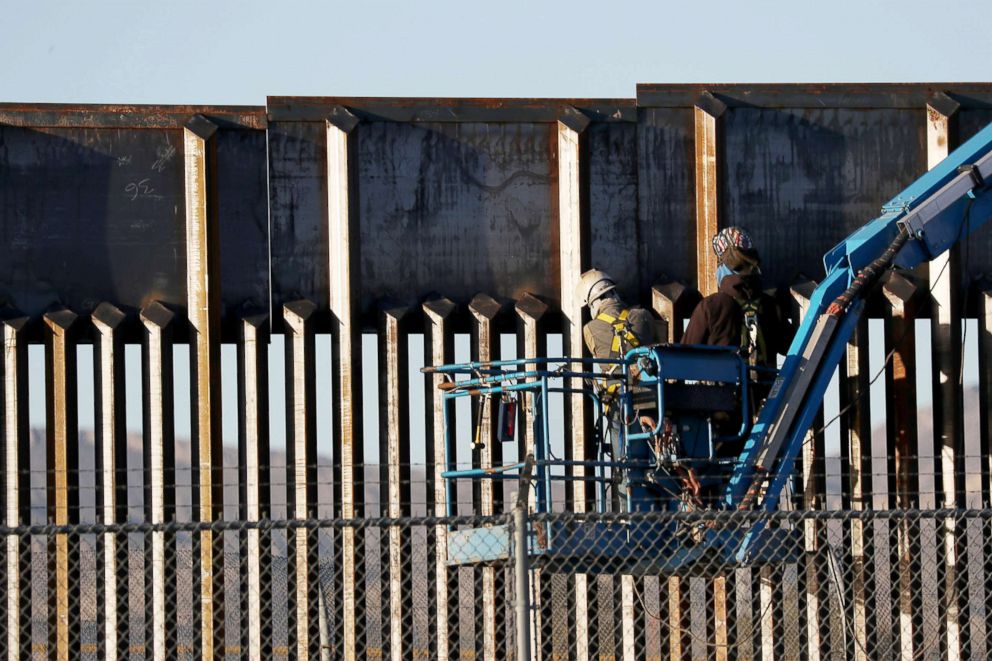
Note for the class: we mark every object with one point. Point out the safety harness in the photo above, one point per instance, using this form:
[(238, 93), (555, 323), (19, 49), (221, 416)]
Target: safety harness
[(622, 334), (623, 339), (752, 339)]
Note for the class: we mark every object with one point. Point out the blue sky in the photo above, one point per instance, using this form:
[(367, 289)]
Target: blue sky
[(224, 52)]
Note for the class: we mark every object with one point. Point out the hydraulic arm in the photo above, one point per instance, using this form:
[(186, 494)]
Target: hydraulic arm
[(939, 209)]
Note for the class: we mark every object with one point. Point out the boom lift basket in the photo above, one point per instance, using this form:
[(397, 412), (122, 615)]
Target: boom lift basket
[(668, 424)]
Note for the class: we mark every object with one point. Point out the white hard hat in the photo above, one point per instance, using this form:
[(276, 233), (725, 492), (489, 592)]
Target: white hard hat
[(593, 284)]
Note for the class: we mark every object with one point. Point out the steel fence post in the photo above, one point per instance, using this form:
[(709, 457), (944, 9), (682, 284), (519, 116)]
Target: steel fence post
[(521, 580), (521, 568)]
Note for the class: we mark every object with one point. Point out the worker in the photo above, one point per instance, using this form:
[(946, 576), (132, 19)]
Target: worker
[(740, 314), (615, 329)]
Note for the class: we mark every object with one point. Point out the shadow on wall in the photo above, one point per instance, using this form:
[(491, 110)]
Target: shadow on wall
[(112, 208)]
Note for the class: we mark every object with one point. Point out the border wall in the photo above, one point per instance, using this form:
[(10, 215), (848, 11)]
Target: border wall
[(431, 224)]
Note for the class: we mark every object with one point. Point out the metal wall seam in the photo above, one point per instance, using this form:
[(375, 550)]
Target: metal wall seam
[(17, 465), (301, 476), (344, 255), (63, 479), (111, 478), (485, 347), (394, 414), (439, 350), (946, 333), (254, 490), (203, 308), (708, 128), (160, 475), (903, 297)]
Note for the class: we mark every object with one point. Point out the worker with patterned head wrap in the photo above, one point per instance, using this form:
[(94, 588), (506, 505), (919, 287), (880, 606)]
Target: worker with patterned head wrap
[(740, 315)]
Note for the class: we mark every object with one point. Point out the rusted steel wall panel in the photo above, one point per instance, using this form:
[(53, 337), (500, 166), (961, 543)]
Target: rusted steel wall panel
[(243, 220), (803, 179), (298, 212), (458, 208), (666, 199), (108, 203), (613, 221), (812, 95), (104, 203)]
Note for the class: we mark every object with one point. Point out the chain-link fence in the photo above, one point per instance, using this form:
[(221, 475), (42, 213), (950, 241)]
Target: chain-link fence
[(731, 585), (901, 584)]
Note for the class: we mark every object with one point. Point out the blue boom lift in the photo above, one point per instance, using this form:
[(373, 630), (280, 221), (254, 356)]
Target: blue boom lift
[(668, 464)]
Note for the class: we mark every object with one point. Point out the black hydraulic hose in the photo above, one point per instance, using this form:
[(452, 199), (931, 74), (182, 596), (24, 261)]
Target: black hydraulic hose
[(869, 275)]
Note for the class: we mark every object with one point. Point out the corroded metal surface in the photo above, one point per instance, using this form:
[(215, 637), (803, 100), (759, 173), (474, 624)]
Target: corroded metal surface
[(466, 205), (800, 165), (708, 136), (666, 199), (802, 179)]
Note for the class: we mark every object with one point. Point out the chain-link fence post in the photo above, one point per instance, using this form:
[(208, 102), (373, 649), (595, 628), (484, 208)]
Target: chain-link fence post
[(521, 566)]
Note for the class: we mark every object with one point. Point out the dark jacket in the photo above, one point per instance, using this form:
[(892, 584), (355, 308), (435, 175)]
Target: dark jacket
[(719, 317)]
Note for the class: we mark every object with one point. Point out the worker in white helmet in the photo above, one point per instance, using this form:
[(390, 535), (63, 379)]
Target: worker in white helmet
[(615, 329)]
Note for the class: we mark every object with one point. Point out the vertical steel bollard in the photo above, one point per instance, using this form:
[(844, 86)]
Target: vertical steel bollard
[(948, 415), (574, 249), (521, 569), (203, 309), (520, 577)]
